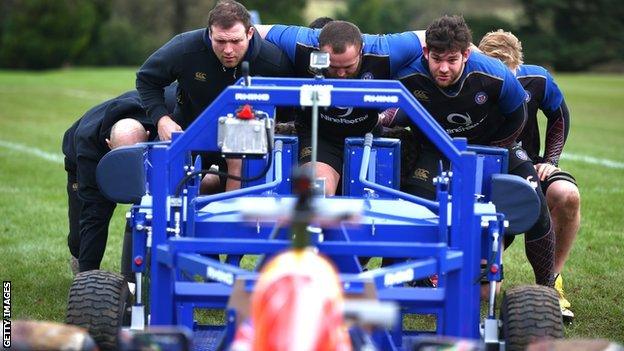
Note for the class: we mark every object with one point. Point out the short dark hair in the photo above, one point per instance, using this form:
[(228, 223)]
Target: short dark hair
[(339, 35), (227, 13), (320, 22), (448, 33)]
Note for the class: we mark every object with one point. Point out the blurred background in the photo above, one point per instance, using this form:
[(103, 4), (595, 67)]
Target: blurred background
[(564, 35)]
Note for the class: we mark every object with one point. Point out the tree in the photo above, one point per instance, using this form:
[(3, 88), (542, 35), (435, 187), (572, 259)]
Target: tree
[(276, 11), (573, 34), (42, 34)]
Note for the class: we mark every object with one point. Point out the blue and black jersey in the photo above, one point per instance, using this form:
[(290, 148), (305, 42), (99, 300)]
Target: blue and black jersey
[(485, 105), (189, 59), (543, 94), (382, 57)]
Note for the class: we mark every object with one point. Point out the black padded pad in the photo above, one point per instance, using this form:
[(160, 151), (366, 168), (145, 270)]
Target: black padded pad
[(514, 197), (120, 174)]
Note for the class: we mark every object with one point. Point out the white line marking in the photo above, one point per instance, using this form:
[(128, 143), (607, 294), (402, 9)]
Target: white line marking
[(593, 160), (73, 93), (83, 94), (56, 158)]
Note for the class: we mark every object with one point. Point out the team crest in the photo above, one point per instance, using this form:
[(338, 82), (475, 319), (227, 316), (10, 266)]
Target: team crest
[(420, 95), (527, 96), (367, 75), (480, 98), (521, 154)]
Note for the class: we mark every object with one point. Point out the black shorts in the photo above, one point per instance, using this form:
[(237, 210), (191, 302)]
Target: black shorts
[(330, 151), (555, 176), (517, 156), (419, 179)]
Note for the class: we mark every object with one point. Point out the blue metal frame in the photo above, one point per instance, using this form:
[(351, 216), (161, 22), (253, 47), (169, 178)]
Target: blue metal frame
[(443, 236), (383, 172)]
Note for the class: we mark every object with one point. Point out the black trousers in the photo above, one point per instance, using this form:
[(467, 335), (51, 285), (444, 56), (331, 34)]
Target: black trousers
[(73, 212), (88, 224)]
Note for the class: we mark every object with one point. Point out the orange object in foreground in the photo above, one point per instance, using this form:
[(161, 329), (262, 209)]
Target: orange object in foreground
[(297, 305)]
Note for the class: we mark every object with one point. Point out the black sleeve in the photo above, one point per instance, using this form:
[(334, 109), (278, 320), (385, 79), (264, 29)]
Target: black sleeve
[(511, 128), (157, 72), (557, 129)]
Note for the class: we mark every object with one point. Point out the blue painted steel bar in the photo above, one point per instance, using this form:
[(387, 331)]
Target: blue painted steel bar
[(455, 301), (161, 293), (465, 234), (209, 268), (432, 205), (277, 158), (254, 247), (290, 158), (359, 93), (386, 161), (139, 240)]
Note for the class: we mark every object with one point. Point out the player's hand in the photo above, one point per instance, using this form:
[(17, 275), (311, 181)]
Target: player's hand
[(166, 126), (544, 170)]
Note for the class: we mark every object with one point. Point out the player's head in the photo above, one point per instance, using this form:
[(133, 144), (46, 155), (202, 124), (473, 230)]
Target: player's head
[(125, 132), (343, 41), (448, 47), (504, 46), (230, 29), (320, 22)]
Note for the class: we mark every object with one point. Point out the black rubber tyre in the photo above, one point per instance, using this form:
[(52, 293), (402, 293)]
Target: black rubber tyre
[(99, 301), (530, 313)]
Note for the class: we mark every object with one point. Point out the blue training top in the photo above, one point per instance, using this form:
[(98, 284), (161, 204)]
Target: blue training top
[(478, 106), (382, 57), (543, 94)]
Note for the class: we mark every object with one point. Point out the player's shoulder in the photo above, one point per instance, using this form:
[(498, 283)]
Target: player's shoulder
[(532, 71), (383, 44), (486, 65), (280, 33)]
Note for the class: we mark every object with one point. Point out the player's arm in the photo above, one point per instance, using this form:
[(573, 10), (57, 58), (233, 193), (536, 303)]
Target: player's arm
[(513, 107), (558, 126), (158, 71), (509, 131), (557, 129)]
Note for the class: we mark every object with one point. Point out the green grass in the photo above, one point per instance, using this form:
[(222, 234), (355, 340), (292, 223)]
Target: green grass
[(37, 107)]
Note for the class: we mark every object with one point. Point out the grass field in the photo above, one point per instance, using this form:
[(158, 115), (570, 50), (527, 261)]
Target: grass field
[(37, 107)]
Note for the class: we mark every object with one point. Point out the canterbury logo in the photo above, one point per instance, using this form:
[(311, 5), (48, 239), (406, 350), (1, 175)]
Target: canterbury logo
[(200, 76), (421, 95), (421, 174)]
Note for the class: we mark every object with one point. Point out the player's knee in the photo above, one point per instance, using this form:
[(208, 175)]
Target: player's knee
[(564, 196)]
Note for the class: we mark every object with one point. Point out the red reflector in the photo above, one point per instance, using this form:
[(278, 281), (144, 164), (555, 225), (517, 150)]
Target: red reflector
[(245, 112), (138, 260), (494, 268)]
